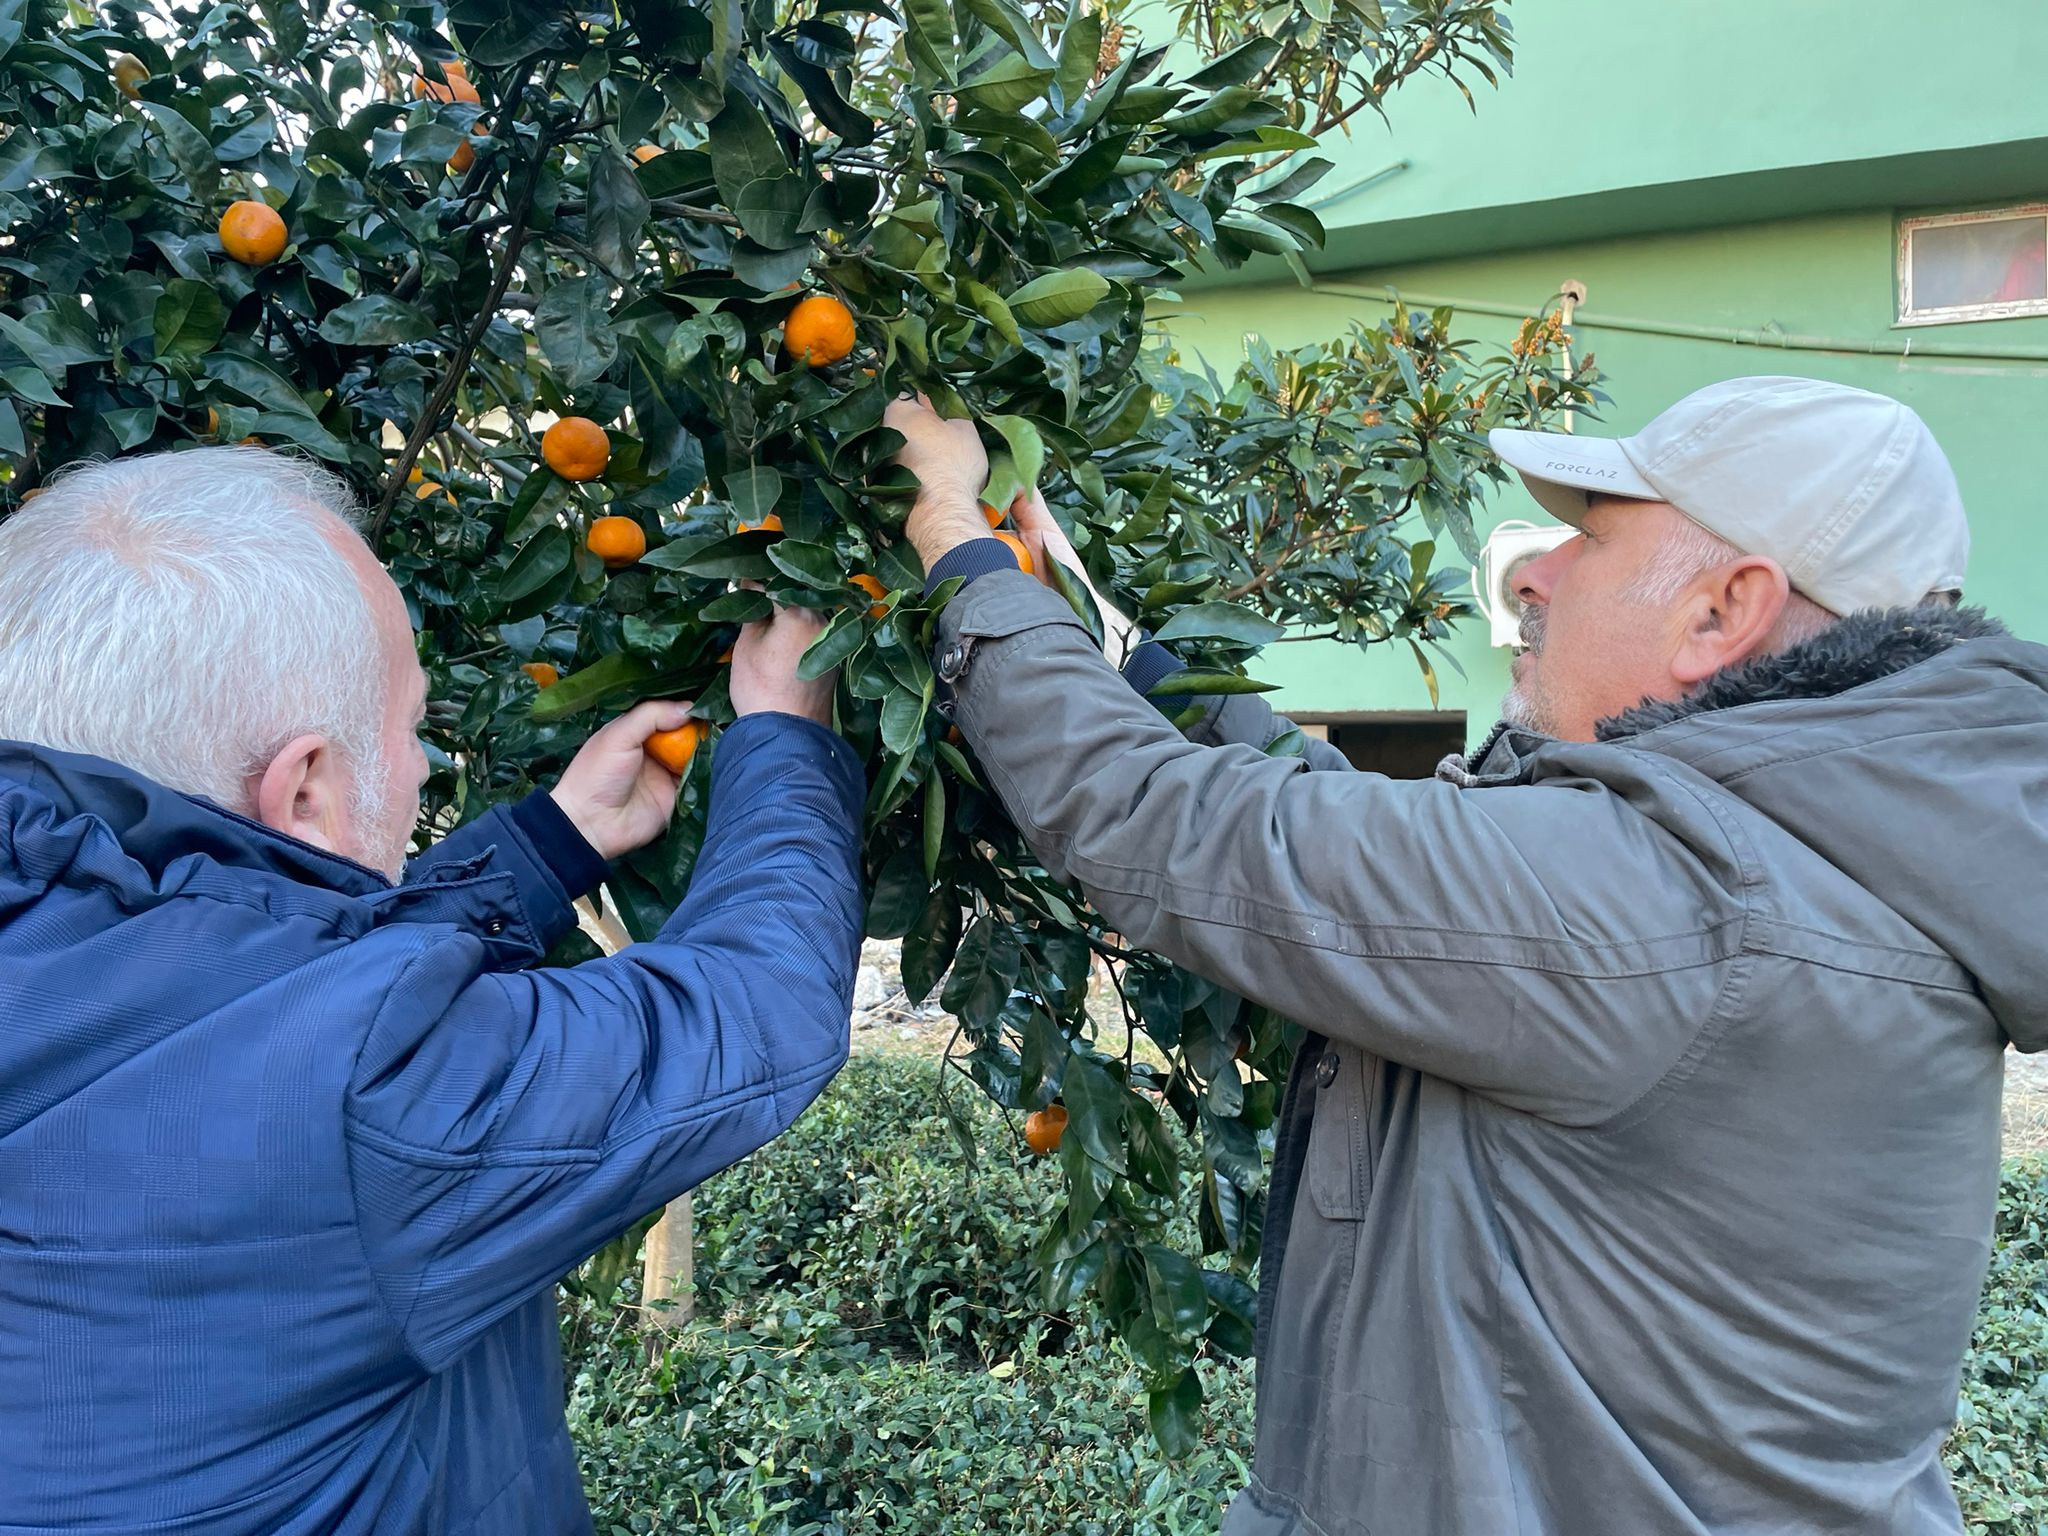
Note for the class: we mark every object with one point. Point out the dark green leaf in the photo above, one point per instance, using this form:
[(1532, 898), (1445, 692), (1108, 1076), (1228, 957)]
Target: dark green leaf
[(1220, 621), (934, 824), (813, 564), (1084, 173), (1058, 297), (1179, 1304), (1044, 1057), (1180, 684), (376, 320), (1011, 24), (189, 149), (573, 323), (741, 607), (903, 719), (545, 556), (592, 685), (1175, 1414), (743, 148), (1080, 51), (899, 897), (929, 946), (189, 318), (1010, 85), (618, 210), (842, 637), (1095, 1111), (754, 492), (928, 35), (1295, 182), (983, 973)]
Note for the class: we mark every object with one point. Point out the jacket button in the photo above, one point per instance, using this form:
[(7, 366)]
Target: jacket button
[(1326, 1069), (495, 926)]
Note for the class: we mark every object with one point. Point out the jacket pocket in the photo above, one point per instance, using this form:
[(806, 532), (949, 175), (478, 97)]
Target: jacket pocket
[(1339, 1150)]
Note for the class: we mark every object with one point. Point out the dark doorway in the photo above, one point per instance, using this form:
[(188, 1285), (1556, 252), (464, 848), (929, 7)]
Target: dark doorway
[(1405, 744)]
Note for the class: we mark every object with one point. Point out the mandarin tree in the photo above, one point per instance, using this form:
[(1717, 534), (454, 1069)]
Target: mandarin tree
[(600, 310)]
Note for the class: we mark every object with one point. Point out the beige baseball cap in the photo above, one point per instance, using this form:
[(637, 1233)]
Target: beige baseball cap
[(1847, 490)]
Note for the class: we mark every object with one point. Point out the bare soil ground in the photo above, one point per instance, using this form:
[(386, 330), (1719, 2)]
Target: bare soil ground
[(2026, 1103), (883, 1019)]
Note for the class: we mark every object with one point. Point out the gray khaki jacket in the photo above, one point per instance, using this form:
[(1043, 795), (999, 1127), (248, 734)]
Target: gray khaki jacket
[(1638, 1176)]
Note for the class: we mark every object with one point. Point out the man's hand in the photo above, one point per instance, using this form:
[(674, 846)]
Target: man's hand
[(1047, 541), (764, 662), (618, 797), (951, 468)]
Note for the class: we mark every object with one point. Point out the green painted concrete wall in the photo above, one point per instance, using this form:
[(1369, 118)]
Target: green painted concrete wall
[(1827, 276), (1623, 116)]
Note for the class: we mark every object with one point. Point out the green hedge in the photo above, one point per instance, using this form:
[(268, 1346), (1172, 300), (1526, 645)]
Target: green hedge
[(1999, 1451), (870, 1355), (871, 1207)]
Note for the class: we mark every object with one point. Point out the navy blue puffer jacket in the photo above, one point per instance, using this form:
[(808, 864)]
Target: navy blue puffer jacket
[(291, 1158)]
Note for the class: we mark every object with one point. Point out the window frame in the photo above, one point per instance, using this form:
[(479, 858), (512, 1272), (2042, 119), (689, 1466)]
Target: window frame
[(1962, 314)]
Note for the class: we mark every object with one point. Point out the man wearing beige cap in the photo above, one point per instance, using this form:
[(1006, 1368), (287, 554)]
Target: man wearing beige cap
[(1637, 1172)]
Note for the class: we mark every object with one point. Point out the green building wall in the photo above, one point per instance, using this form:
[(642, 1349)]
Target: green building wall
[(1825, 280), (1738, 167)]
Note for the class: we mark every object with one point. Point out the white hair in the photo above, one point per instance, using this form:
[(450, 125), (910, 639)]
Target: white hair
[(186, 615), (1692, 551)]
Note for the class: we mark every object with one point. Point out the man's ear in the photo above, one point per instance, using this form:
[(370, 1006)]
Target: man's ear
[(1729, 614), (304, 793)]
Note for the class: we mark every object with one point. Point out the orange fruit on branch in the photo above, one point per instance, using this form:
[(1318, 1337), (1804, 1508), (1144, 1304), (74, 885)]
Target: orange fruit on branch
[(1017, 548), (252, 233), (645, 152), (818, 331), (772, 523), (617, 541), (543, 673), (129, 72), (872, 585), (674, 749), (1043, 1129), (457, 87), (576, 448), (993, 513), (464, 156)]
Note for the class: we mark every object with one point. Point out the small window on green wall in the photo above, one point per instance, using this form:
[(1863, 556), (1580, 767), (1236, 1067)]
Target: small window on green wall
[(1974, 266)]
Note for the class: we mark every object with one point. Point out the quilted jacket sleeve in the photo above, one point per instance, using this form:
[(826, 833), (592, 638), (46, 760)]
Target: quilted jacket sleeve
[(505, 1125)]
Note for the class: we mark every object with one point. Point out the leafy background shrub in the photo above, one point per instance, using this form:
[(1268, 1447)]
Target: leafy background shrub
[(872, 1353)]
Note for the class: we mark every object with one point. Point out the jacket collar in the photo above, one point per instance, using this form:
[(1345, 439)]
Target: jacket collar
[(1861, 649), (155, 824)]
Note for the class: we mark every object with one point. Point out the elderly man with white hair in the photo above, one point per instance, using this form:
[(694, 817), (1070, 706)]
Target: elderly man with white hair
[(1637, 1172), (291, 1155)]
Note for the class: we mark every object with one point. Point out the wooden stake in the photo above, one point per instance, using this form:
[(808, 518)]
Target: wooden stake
[(668, 1261)]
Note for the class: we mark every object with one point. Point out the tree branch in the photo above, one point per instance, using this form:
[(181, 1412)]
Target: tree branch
[(458, 364)]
